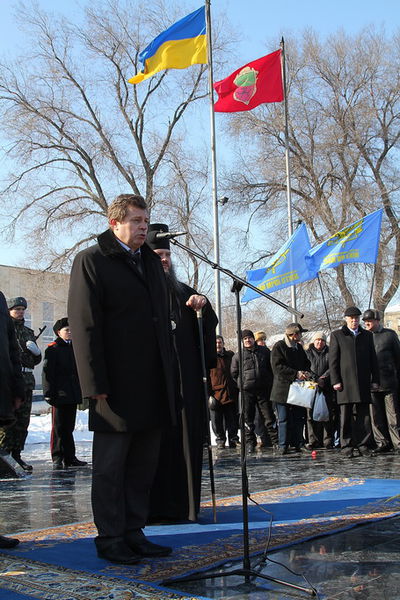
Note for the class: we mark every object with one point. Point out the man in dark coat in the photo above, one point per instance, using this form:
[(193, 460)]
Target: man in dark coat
[(11, 382), (62, 391), (257, 383), (12, 439), (118, 311), (353, 368), (289, 362), (175, 494), (223, 391), (385, 408)]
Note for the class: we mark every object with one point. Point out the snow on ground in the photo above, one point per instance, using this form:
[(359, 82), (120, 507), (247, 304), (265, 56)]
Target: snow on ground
[(40, 428)]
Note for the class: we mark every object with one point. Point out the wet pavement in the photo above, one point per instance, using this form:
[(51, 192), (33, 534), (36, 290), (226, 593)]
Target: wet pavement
[(363, 562)]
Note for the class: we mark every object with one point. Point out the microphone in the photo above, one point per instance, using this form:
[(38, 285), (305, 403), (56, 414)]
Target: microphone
[(167, 235)]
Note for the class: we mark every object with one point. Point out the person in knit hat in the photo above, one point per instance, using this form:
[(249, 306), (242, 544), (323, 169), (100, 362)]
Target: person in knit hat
[(257, 383), (321, 434)]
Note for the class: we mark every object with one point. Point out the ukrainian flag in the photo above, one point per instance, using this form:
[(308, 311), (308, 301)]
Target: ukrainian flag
[(181, 45)]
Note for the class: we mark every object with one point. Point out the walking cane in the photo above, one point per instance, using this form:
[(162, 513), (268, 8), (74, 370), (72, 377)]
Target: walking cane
[(199, 313)]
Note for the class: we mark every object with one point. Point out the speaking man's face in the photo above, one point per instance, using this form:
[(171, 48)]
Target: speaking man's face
[(132, 231)]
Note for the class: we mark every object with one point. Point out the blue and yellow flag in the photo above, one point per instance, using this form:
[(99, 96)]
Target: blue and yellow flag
[(287, 267), (357, 243), (181, 45)]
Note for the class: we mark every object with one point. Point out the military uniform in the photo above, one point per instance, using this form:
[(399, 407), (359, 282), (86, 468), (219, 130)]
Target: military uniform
[(12, 439)]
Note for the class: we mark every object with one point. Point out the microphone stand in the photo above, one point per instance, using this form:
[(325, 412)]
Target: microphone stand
[(246, 571)]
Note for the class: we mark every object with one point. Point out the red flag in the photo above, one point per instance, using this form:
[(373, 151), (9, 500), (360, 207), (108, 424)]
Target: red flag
[(257, 82)]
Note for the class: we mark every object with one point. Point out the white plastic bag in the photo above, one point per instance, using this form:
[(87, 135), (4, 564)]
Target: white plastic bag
[(302, 393), (320, 410)]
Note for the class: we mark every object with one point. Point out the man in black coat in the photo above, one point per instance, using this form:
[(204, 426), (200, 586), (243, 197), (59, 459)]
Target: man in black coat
[(176, 491), (257, 384), (62, 391), (11, 382), (385, 408), (353, 368), (118, 311)]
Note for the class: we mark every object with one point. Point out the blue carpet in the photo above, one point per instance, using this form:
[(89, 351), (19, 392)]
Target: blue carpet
[(50, 561)]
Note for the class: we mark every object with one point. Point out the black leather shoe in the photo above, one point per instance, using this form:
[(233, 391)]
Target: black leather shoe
[(139, 544), (58, 464), (117, 552), (7, 542), (17, 457), (75, 462)]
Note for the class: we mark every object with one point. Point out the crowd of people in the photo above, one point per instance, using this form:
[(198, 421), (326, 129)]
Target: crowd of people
[(357, 374), (137, 344)]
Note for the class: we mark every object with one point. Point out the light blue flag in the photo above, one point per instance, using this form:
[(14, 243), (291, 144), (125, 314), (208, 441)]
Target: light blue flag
[(287, 267), (357, 243)]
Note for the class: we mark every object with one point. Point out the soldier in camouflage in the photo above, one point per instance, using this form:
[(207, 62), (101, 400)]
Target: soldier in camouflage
[(12, 439)]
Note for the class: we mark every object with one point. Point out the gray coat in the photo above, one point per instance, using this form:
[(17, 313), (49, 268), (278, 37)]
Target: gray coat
[(387, 348), (353, 363)]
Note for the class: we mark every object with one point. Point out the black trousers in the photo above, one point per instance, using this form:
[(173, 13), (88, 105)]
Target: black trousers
[(355, 426), (124, 465), (62, 445), (251, 400), (224, 421)]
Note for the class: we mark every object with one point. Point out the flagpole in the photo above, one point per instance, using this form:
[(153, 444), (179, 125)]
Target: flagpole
[(217, 280), (288, 179), (372, 287), (323, 301)]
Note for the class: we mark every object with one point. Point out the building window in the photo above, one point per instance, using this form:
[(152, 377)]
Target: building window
[(48, 320)]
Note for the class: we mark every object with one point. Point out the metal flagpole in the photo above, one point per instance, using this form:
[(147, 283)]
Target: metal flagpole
[(288, 180), (217, 279), (372, 287), (323, 301)]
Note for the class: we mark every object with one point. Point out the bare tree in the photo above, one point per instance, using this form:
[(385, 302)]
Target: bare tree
[(344, 107), (185, 200), (77, 131)]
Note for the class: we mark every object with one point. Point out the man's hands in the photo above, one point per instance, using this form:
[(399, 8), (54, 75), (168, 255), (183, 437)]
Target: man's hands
[(338, 387), (196, 301)]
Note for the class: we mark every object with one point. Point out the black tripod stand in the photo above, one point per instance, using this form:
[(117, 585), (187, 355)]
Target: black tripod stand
[(246, 571)]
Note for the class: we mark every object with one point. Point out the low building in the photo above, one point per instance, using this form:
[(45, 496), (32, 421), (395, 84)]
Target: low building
[(392, 317), (46, 294)]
